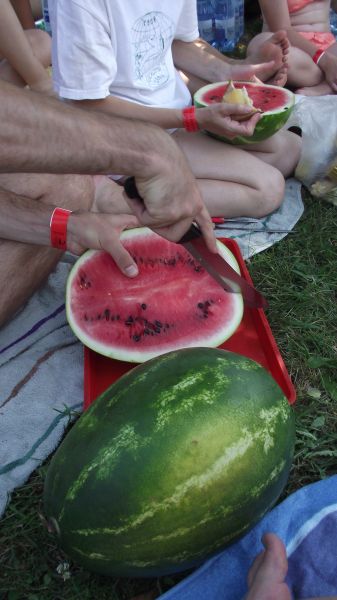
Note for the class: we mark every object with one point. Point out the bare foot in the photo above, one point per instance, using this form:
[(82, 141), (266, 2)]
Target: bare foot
[(267, 574), (276, 49), (109, 197), (321, 89)]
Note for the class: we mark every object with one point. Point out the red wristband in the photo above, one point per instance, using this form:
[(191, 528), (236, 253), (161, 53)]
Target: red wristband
[(318, 55), (189, 121), (58, 228)]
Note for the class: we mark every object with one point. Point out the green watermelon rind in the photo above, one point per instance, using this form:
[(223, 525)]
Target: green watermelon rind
[(143, 483), (269, 124), (134, 355)]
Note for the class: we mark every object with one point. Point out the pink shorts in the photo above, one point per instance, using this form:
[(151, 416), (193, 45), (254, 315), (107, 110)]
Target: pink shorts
[(321, 39)]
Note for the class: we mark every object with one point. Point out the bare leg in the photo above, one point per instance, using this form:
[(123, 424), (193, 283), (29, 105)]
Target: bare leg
[(271, 47), (236, 182), (41, 46), (322, 87), (303, 75), (24, 268)]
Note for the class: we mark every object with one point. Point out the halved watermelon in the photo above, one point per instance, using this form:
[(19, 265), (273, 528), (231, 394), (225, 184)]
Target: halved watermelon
[(173, 302), (275, 102)]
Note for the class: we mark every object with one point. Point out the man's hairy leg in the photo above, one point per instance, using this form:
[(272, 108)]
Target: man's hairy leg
[(24, 268)]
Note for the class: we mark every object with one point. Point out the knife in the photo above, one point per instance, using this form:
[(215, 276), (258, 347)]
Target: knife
[(215, 264)]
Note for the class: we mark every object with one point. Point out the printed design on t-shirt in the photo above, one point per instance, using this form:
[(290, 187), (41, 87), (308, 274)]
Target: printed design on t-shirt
[(152, 36)]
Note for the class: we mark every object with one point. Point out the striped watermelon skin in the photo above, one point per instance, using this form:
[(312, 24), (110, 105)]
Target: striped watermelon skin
[(177, 459)]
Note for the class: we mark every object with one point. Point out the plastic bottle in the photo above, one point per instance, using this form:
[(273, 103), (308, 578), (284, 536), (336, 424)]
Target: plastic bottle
[(333, 22), (239, 19), (45, 13), (224, 14), (206, 20)]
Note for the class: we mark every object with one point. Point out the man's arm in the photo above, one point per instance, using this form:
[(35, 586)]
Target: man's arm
[(28, 221), (40, 134)]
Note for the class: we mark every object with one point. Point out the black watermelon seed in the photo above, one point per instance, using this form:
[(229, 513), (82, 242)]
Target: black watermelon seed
[(144, 306), (158, 323), (136, 338), (200, 305)]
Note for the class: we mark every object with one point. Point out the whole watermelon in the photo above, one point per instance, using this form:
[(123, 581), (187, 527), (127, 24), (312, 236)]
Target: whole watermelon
[(174, 461)]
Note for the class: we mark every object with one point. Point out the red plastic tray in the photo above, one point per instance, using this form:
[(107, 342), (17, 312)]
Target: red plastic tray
[(253, 339)]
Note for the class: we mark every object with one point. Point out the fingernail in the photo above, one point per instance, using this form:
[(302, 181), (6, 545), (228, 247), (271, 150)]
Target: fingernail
[(131, 271)]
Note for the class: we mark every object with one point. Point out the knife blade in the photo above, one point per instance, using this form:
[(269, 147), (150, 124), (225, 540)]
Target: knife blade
[(215, 264)]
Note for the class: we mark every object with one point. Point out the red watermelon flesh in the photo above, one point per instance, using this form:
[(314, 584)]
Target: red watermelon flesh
[(263, 97), (173, 302)]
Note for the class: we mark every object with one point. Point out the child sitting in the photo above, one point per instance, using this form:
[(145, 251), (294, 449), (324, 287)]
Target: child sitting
[(312, 57)]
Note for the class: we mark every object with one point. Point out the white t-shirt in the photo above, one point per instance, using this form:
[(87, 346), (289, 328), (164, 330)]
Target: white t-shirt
[(122, 48)]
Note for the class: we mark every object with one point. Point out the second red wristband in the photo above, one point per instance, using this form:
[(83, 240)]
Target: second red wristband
[(58, 228), (190, 122)]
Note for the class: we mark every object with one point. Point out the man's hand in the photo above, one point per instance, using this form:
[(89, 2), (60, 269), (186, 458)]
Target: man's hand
[(220, 118), (171, 200), (102, 231)]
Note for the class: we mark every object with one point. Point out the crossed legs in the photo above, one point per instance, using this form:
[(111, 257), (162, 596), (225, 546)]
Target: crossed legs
[(238, 182), (304, 75)]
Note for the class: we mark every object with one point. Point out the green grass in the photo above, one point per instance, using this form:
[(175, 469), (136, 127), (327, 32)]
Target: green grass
[(299, 277)]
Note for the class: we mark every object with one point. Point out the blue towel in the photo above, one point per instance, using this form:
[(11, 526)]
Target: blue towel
[(306, 522)]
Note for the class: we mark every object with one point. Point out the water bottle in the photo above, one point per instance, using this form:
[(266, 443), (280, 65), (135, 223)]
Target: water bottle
[(239, 19), (45, 13), (205, 20), (224, 16), (333, 22)]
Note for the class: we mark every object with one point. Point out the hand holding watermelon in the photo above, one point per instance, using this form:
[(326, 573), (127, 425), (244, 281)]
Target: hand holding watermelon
[(223, 119), (101, 231)]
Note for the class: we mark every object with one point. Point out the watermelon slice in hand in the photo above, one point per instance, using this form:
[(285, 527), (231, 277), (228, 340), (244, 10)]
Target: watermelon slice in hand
[(275, 104), (173, 303)]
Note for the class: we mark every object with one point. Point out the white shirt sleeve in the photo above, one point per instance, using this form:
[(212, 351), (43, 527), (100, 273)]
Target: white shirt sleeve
[(84, 57), (187, 26)]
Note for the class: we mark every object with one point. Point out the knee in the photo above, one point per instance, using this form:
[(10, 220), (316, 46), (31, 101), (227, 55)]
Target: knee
[(40, 42), (270, 192)]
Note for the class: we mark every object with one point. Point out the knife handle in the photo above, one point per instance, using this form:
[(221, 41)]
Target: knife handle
[(131, 189), (132, 193)]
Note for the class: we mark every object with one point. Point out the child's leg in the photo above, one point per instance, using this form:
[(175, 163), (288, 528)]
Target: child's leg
[(322, 87), (302, 71), (40, 43), (275, 48), (236, 182)]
